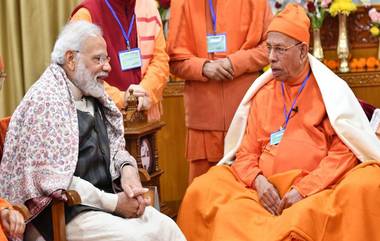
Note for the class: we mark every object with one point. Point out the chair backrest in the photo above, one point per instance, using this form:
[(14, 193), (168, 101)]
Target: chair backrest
[(4, 122)]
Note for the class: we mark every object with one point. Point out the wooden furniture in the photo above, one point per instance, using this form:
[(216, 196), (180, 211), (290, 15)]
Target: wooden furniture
[(58, 214), (359, 37), (140, 138), (364, 83), (171, 146)]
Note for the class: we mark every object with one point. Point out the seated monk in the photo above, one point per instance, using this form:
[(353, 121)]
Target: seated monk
[(297, 138), (68, 134)]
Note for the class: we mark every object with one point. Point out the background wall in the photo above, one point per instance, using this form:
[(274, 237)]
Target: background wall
[(28, 29)]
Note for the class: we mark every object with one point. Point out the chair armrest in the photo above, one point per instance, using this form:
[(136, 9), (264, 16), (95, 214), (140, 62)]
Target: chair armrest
[(58, 214), (73, 197)]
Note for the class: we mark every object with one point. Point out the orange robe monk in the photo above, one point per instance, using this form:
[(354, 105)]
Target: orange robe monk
[(331, 197), (310, 144), (210, 104)]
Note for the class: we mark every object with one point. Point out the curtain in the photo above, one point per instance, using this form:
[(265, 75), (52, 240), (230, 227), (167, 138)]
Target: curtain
[(28, 30)]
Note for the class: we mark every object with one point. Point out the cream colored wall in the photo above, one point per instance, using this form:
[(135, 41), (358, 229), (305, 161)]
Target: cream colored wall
[(28, 29)]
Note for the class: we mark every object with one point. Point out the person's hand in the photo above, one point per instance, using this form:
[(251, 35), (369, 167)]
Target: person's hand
[(127, 207), (12, 222), (145, 102), (143, 202), (268, 195), (227, 65), (130, 182), (289, 199), (214, 70)]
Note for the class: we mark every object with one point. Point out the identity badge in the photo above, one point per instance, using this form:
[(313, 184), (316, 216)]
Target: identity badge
[(130, 59), (216, 43), (275, 137)]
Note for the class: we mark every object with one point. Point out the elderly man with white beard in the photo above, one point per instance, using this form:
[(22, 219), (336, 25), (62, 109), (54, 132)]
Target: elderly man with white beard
[(68, 134)]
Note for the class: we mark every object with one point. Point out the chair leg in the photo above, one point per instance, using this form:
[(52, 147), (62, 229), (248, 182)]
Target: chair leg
[(58, 218)]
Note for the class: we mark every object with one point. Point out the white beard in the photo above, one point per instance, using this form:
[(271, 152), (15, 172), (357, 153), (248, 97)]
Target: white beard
[(88, 84)]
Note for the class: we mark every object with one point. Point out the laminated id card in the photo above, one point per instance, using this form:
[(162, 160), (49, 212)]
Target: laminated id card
[(275, 137), (216, 43), (130, 59)]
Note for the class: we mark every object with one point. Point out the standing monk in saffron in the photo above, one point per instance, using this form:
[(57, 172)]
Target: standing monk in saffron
[(136, 45), (296, 139), (218, 48)]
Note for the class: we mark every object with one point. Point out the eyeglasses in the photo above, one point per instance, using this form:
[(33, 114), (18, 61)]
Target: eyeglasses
[(99, 59), (280, 49), (102, 59)]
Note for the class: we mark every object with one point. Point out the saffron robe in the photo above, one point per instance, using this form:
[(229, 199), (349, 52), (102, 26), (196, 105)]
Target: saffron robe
[(309, 143), (219, 206), (209, 104)]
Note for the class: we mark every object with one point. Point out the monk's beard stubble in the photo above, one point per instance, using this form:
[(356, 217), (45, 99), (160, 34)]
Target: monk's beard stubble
[(89, 85)]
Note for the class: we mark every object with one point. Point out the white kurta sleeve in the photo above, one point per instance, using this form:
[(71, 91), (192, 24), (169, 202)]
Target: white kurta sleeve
[(93, 196)]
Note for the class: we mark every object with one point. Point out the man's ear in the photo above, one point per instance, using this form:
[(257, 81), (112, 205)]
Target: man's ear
[(70, 60), (304, 51)]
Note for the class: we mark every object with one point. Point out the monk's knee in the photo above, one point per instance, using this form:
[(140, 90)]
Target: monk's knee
[(363, 181)]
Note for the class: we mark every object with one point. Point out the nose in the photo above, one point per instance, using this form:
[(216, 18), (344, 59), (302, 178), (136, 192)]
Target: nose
[(107, 67), (272, 57)]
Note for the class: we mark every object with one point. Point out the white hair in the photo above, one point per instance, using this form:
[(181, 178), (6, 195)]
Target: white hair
[(72, 37)]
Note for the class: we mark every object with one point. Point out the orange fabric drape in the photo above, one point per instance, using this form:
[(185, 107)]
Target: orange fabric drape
[(217, 207), (309, 142)]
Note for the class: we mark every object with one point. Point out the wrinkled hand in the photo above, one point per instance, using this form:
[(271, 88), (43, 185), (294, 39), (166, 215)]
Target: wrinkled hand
[(215, 70), (145, 102), (12, 222), (227, 65), (268, 195), (126, 206), (289, 199), (130, 182)]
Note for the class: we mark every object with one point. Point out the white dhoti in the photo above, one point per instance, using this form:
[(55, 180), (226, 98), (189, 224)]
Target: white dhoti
[(96, 225), (99, 225)]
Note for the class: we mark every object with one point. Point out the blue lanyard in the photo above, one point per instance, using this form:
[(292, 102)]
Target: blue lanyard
[(287, 114), (125, 35), (213, 16)]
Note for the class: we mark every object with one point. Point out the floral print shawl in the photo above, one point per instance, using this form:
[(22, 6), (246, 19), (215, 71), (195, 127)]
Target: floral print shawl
[(41, 146)]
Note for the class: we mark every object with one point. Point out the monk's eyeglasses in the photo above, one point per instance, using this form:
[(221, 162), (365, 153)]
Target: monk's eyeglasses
[(99, 59), (280, 49)]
